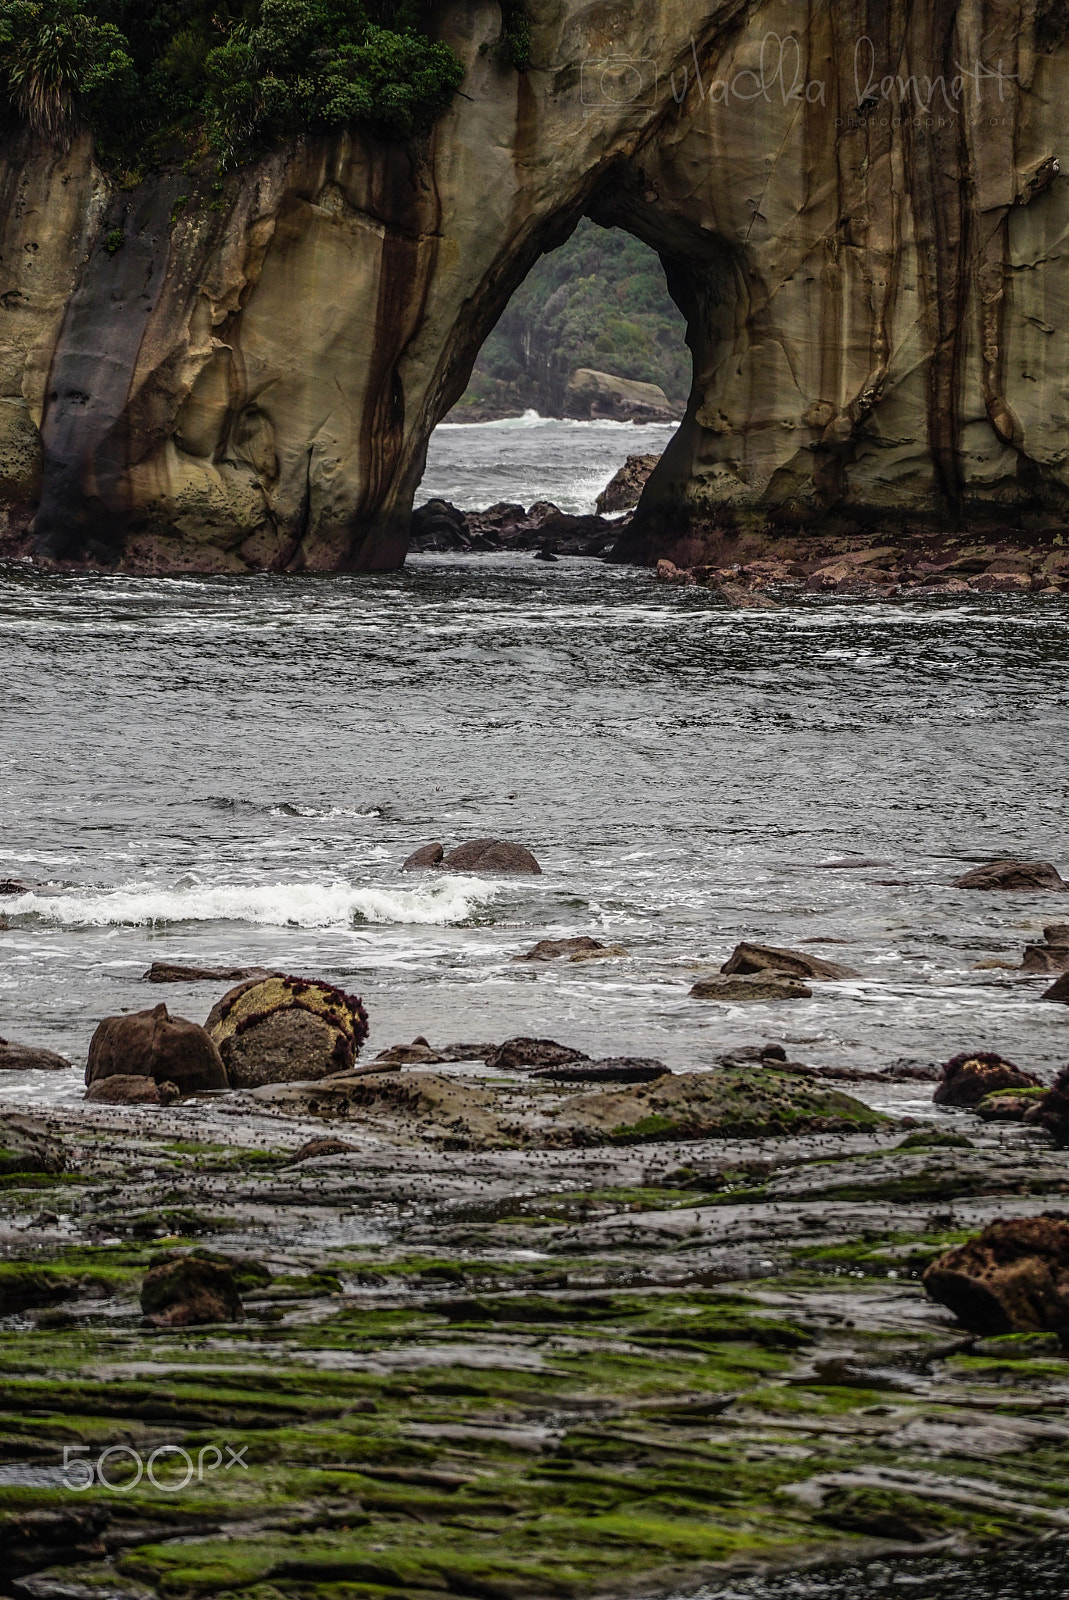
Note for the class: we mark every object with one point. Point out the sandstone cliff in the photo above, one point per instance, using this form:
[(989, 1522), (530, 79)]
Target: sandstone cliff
[(861, 212)]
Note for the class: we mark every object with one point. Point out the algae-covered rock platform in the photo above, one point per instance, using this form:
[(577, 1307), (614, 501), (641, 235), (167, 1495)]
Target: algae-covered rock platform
[(564, 1368)]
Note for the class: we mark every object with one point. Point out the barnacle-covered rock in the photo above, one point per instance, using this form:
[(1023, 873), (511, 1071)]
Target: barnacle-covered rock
[(285, 1030)]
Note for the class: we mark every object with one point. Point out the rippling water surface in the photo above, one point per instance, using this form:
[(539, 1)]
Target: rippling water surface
[(230, 770)]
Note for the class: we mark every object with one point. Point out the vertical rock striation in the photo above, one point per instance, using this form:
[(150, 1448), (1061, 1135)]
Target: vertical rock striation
[(859, 204)]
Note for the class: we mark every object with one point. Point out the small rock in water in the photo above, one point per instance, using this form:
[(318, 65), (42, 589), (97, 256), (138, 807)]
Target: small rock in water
[(546, 554), (582, 948), (1058, 991), (171, 972), (1012, 1278), (747, 987), (153, 1044), (1015, 875), (13, 886), (28, 1058), (421, 860), (747, 958), (967, 1079), (516, 1054), (128, 1090), (490, 857), (624, 489)]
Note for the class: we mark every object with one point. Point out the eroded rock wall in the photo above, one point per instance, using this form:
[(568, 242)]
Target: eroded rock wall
[(859, 203)]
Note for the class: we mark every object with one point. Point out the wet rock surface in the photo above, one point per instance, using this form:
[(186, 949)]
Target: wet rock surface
[(1024, 876), (624, 488), (602, 1361), (1013, 1278), (758, 958), (750, 987), (29, 1058)]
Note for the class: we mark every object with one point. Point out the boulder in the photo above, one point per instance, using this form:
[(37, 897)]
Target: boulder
[(1058, 991), (438, 525), (170, 972), (747, 958), (745, 987), (1052, 1112), (153, 1044), (421, 860), (491, 858), (967, 1079), (590, 393), (1009, 1105), (27, 1058), (1012, 1278), (581, 948), (517, 1054), (27, 1146), (624, 488), (286, 1030), (188, 1290), (129, 1090), (610, 1069), (1017, 875)]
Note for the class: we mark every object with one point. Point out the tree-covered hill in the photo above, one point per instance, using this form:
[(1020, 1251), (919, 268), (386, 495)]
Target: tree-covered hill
[(599, 301)]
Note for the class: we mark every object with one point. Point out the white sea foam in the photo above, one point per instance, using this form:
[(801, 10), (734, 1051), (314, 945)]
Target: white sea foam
[(437, 902)]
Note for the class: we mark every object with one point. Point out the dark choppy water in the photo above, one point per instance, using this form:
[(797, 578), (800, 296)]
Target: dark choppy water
[(232, 771)]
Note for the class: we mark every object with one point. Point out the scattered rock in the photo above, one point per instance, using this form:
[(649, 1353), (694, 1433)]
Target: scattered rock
[(904, 1069), (421, 860), (153, 1044), (1052, 1112), (1058, 991), (1052, 955), (517, 1054), (545, 554), (747, 958), (286, 1030), (624, 488), (27, 1058), (13, 886), (611, 1069), (190, 1290), (1018, 875), (967, 1079), (582, 948), (1009, 1105), (123, 1089), (417, 1054), (1013, 1278), (27, 1146), (169, 972), (321, 1147), (745, 987), (491, 857)]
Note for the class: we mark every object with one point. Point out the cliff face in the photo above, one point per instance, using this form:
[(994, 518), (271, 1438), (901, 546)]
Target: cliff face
[(859, 206)]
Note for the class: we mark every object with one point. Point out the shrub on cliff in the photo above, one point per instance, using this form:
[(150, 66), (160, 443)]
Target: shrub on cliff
[(59, 63)]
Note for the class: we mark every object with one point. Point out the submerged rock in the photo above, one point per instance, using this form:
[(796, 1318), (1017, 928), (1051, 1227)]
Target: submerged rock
[(1013, 1278), (1016, 875), (753, 958), (750, 986), (13, 886), (153, 1044), (286, 1030), (967, 1079), (581, 948), (490, 857), (28, 1058), (128, 1090)]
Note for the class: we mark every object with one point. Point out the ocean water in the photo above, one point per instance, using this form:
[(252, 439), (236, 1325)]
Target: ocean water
[(233, 770)]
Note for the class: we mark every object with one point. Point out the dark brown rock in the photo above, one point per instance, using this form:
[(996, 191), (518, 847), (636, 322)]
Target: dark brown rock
[(421, 860), (1022, 876), (625, 487), (153, 1044), (517, 1054), (190, 1290), (747, 958), (123, 1090), (286, 1030), (1013, 1278), (1007, 1106), (27, 1058), (1057, 935), (1045, 958), (170, 972), (321, 1147), (1052, 1112), (13, 886), (969, 1078), (742, 988), (552, 949), (610, 1069), (491, 857), (1058, 991)]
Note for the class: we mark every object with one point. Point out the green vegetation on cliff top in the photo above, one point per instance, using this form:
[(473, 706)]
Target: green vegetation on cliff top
[(234, 76)]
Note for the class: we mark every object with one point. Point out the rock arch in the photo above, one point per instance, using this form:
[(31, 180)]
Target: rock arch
[(859, 203)]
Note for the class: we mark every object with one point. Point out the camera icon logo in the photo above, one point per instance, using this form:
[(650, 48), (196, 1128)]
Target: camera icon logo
[(618, 81)]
